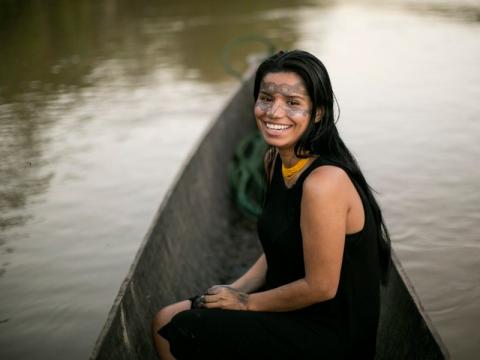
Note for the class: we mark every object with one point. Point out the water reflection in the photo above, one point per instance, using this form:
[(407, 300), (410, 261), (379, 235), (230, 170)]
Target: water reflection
[(61, 47), (20, 168), (466, 11), (56, 44)]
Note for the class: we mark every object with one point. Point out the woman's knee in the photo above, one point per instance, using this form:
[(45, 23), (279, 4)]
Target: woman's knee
[(166, 314)]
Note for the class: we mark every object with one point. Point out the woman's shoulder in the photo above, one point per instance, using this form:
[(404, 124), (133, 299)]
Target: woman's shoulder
[(326, 180)]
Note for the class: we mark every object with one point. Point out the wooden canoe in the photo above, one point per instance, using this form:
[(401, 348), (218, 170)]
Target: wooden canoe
[(197, 239)]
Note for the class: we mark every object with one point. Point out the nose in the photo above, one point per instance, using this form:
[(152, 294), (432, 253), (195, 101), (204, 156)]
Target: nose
[(275, 111)]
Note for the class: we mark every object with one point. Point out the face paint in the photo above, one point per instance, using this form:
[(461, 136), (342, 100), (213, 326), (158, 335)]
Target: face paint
[(266, 103), (290, 110), (293, 112), (283, 89)]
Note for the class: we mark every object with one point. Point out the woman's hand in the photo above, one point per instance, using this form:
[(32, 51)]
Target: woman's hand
[(225, 297)]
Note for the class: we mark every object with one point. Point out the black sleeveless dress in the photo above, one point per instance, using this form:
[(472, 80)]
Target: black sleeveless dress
[(341, 328)]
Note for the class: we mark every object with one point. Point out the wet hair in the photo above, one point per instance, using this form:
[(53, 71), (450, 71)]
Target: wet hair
[(322, 138)]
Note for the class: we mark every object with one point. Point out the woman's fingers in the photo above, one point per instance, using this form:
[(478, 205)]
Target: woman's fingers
[(225, 297), (212, 301), (210, 298)]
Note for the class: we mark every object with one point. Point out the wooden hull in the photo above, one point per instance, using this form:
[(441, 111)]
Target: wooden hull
[(197, 239)]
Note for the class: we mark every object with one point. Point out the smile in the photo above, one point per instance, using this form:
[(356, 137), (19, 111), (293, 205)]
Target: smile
[(277, 126)]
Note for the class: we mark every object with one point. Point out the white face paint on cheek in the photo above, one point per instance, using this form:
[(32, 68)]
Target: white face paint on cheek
[(293, 112), (263, 105)]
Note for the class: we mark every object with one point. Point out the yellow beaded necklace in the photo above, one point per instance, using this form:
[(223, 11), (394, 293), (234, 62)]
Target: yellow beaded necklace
[(289, 173)]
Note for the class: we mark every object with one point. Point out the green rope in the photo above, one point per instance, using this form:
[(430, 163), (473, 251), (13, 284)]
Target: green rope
[(246, 173)]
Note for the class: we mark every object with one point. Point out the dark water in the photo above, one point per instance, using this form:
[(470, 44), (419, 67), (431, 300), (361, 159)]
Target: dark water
[(101, 103)]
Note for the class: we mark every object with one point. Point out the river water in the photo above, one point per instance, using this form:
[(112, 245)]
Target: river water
[(101, 103)]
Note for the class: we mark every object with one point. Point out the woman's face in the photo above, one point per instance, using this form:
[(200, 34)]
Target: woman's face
[(282, 109)]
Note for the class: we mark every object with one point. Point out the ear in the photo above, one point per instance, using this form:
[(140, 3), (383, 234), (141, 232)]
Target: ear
[(319, 115)]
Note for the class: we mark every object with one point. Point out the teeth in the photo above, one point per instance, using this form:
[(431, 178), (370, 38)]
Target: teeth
[(277, 126)]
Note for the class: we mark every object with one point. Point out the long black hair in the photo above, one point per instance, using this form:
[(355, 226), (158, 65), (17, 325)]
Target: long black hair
[(322, 138)]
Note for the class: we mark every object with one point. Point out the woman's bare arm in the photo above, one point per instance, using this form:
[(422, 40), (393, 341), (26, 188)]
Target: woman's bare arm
[(254, 278), (324, 208)]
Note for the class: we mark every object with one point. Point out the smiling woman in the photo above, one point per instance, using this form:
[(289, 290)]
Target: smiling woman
[(314, 291)]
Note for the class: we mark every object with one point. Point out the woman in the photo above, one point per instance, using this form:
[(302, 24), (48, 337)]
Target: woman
[(314, 291)]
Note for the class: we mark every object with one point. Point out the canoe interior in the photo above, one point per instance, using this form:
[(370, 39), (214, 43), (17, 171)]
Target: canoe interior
[(198, 239)]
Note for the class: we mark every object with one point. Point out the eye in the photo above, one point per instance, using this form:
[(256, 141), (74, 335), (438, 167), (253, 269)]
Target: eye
[(293, 102), (264, 98)]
